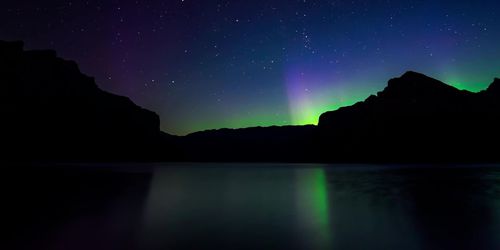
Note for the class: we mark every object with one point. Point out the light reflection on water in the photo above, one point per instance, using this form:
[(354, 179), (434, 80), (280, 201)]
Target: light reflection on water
[(260, 206), (219, 206), (321, 207)]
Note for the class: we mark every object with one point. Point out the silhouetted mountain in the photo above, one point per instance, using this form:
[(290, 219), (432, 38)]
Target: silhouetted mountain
[(494, 88), (51, 111), (284, 144), (414, 119)]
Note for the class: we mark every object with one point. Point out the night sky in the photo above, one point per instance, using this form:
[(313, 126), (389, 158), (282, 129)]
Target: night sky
[(203, 64)]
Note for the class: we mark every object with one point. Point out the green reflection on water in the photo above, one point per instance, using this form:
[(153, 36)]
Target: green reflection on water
[(313, 204), (321, 196)]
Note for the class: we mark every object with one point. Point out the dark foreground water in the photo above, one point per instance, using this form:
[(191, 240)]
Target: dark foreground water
[(260, 206)]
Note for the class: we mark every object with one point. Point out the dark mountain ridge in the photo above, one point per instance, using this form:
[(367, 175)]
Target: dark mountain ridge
[(51, 111), (257, 144), (414, 119)]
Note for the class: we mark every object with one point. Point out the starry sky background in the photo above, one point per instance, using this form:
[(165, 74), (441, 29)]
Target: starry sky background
[(203, 64)]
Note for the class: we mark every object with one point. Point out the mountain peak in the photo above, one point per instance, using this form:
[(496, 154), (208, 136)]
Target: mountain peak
[(412, 74), (494, 86), (412, 84)]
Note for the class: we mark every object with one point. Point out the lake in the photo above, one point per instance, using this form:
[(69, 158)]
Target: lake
[(251, 206)]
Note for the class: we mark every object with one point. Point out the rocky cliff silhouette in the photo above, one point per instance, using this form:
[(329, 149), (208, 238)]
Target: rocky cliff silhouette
[(258, 144), (51, 111), (414, 119)]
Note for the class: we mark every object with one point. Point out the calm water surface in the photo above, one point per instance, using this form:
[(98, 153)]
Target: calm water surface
[(252, 206)]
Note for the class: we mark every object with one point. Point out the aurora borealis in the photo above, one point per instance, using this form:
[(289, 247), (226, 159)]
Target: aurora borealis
[(211, 64)]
